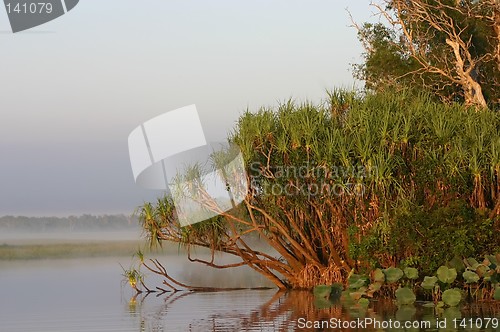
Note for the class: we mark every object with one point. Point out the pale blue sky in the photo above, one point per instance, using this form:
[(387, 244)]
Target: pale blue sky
[(73, 89)]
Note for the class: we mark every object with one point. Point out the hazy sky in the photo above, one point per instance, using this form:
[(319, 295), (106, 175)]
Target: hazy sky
[(73, 89)]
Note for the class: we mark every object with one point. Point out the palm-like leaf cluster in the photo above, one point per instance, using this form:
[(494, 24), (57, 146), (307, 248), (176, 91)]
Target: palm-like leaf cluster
[(324, 178)]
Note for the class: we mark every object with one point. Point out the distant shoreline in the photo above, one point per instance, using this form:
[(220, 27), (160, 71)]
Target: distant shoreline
[(55, 250)]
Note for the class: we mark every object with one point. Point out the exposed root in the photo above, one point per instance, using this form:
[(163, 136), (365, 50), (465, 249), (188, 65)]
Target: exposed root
[(159, 269), (313, 275)]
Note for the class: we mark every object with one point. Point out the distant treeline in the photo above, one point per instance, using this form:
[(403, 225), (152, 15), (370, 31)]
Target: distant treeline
[(84, 222)]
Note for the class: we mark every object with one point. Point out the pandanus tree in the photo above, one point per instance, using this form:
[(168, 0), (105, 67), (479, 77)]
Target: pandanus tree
[(356, 182)]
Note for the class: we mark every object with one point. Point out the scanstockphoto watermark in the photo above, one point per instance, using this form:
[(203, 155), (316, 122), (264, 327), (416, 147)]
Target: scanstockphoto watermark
[(310, 180)]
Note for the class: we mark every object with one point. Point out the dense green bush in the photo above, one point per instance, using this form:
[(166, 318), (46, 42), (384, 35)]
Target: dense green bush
[(408, 180)]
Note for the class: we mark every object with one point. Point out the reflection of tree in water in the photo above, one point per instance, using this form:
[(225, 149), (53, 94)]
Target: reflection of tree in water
[(277, 312)]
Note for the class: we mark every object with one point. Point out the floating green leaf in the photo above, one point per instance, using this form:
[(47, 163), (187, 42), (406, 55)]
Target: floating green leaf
[(357, 281), (405, 296), (452, 297), (378, 275), (470, 277), (482, 269), (429, 282), (446, 275), (322, 291), (411, 273), (393, 274), (472, 263), (364, 302)]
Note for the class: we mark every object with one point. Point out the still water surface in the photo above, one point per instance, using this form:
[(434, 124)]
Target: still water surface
[(87, 295)]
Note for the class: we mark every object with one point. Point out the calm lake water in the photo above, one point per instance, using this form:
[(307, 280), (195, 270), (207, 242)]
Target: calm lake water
[(87, 295)]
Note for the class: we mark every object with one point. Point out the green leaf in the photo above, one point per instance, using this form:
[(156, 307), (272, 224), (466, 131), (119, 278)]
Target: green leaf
[(364, 302), (411, 273), (496, 296), (470, 277), (491, 261), (452, 297), (322, 291), (429, 282), (378, 275), (446, 275), (482, 269), (393, 274), (472, 263), (428, 305), (405, 296), (358, 294), (356, 281)]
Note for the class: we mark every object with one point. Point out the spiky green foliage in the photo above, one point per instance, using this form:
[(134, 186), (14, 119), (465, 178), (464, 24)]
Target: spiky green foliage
[(356, 182)]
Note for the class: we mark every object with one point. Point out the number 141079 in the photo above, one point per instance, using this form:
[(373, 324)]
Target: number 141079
[(476, 323), (29, 8)]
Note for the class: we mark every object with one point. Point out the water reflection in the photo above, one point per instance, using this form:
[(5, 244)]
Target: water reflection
[(268, 310)]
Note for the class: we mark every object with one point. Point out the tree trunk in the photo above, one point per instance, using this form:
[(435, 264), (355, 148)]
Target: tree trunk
[(473, 92)]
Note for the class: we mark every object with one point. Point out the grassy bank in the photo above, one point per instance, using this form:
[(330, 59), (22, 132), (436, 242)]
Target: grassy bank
[(69, 250)]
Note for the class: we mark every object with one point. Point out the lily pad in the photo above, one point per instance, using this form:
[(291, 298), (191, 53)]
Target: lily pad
[(446, 275), (405, 296), (357, 281), (452, 297), (429, 282), (364, 302), (482, 269), (378, 275), (322, 291), (411, 273), (393, 274), (470, 277), (472, 263)]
